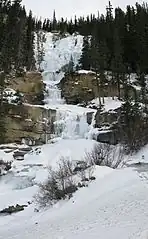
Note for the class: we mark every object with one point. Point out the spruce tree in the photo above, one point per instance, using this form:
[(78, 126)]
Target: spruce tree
[(85, 61), (54, 21), (71, 65), (29, 53), (98, 56), (117, 66)]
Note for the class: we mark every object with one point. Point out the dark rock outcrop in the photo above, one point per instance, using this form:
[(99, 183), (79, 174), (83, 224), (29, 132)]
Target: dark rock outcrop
[(110, 137), (13, 209), (19, 155), (107, 118)]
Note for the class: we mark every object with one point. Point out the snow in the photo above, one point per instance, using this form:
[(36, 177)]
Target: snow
[(5, 157), (70, 108), (34, 169), (113, 206), (109, 103), (10, 91), (85, 72), (140, 156), (13, 146), (10, 95), (51, 153)]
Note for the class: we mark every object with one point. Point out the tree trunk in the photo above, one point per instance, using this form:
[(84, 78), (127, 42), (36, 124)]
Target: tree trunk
[(118, 85)]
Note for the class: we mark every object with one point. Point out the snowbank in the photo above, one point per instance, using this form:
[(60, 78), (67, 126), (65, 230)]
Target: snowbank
[(85, 72), (109, 104)]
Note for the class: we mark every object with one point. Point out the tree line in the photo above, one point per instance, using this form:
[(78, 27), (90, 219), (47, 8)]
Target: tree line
[(116, 37), (17, 36), (117, 30)]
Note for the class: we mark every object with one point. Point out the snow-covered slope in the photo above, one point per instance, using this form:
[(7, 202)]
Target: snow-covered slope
[(114, 206), (109, 103), (20, 184)]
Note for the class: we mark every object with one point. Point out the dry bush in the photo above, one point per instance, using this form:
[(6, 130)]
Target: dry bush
[(105, 155), (87, 173), (59, 185)]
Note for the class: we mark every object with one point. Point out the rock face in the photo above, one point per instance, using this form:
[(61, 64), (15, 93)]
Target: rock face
[(77, 88), (30, 85), (107, 118), (28, 124), (89, 117), (28, 120), (109, 137), (109, 122), (83, 87)]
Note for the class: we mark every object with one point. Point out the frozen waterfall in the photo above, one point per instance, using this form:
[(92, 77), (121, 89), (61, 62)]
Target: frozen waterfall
[(71, 122)]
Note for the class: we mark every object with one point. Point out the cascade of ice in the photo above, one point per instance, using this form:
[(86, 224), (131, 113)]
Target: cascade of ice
[(70, 125), (53, 93), (71, 121)]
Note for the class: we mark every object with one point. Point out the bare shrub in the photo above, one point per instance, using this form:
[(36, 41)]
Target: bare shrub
[(87, 173), (59, 185), (90, 171), (82, 175), (105, 155)]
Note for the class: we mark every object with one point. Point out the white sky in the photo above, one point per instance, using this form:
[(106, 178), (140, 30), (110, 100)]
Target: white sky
[(69, 8)]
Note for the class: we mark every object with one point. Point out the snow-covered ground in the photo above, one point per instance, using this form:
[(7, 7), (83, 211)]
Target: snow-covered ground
[(109, 103), (113, 206), (20, 184)]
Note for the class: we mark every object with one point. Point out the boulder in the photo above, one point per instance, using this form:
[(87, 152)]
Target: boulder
[(19, 154), (89, 117), (108, 136), (13, 209), (106, 118)]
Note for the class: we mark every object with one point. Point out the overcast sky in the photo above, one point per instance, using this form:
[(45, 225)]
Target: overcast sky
[(68, 8)]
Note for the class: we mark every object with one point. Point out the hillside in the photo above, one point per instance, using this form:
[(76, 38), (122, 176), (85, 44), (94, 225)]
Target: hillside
[(73, 125), (99, 209)]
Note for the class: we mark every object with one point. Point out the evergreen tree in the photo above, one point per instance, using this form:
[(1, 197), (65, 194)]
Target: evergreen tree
[(71, 65), (109, 14), (85, 61), (98, 54), (30, 61), (54, 21), (117, 66)]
